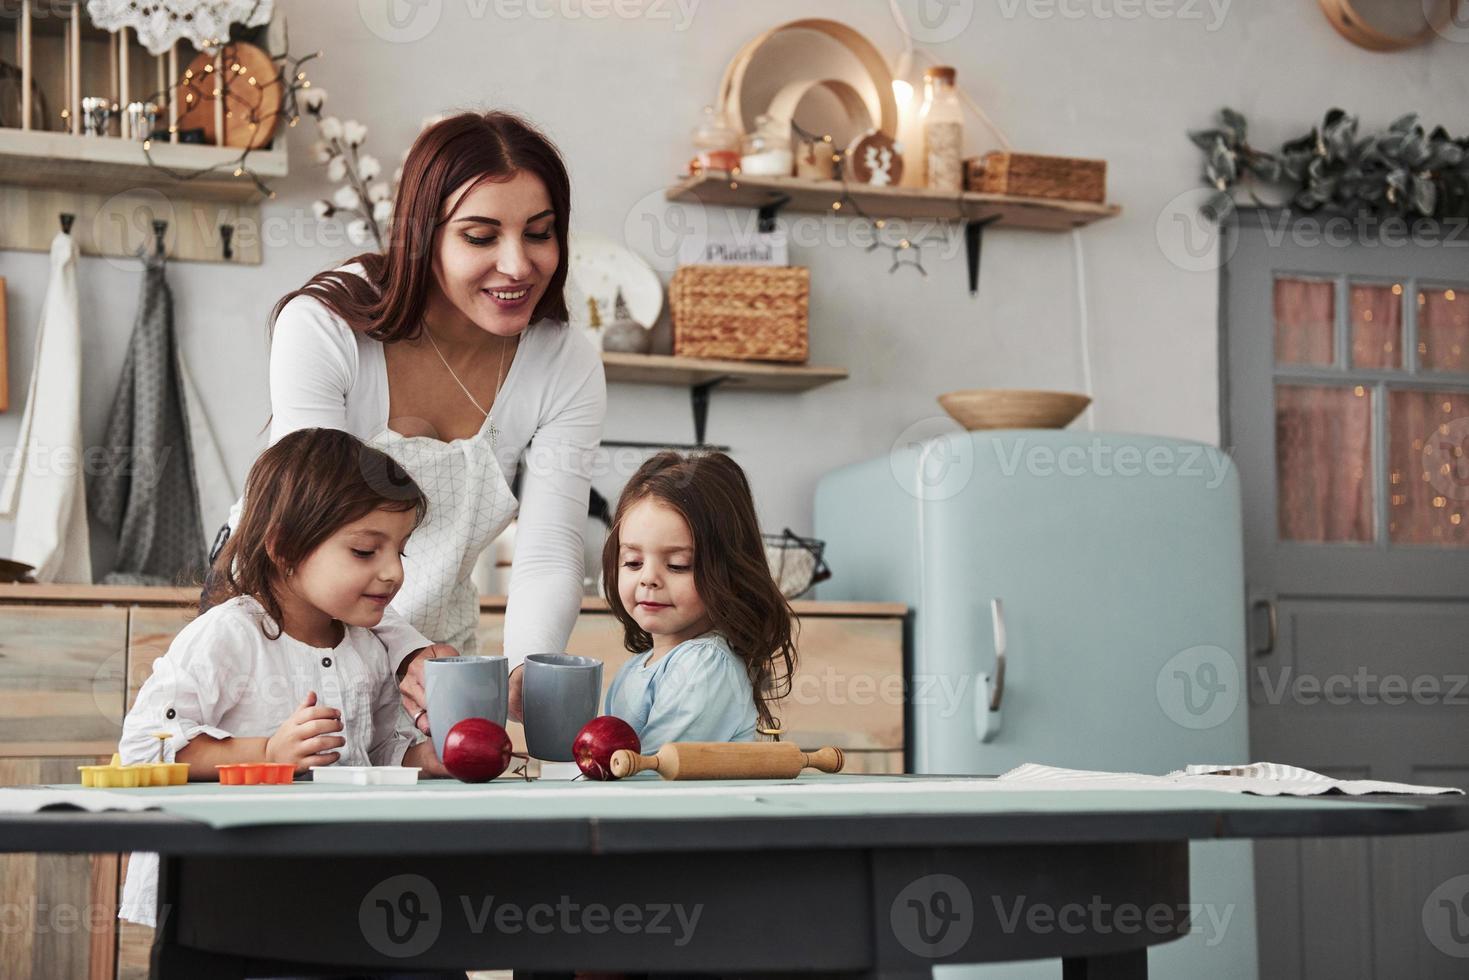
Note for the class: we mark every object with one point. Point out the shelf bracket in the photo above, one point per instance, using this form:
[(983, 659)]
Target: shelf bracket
[(699, 396), (973, 235), (768, 211)]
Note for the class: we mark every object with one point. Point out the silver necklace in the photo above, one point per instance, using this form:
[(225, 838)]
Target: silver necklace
[(499, 372)]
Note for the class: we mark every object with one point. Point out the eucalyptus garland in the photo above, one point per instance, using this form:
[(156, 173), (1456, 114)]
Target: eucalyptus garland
[(1403, 171)]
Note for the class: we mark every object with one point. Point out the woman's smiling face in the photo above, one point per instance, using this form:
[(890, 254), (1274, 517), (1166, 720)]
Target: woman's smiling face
[(495, 254)]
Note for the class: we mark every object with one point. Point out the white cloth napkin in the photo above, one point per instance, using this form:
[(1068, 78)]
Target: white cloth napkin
[(1260, 778), (33, 800)]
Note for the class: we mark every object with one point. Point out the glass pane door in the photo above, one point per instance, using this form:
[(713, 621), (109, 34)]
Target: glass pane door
[(1371, 385)]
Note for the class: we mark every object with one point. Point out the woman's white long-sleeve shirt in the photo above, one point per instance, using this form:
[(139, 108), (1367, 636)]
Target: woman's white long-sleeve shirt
[(551, 408)]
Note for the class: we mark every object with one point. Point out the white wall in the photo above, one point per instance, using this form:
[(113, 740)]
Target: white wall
[(1096, 78)]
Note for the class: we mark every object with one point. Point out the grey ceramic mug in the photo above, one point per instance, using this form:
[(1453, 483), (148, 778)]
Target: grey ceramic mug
[(465, 687), (560, 696)]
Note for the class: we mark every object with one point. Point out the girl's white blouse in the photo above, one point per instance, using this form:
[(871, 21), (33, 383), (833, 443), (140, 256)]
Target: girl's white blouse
[(224, 678)]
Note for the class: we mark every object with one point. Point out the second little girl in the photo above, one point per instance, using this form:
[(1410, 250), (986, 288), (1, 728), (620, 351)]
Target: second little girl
[(284, 667), (684, 570)]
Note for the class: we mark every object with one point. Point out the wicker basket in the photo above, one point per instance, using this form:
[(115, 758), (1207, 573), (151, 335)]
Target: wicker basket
[(740, 312), (1030, 175)]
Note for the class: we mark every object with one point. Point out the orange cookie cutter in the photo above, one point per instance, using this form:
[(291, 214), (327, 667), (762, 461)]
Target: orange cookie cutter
[(255, 773)]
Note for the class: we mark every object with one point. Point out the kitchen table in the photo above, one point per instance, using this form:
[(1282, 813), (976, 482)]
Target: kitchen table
[(842, 874)]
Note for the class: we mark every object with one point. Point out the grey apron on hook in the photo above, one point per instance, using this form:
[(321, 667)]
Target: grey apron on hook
[(145, 489)]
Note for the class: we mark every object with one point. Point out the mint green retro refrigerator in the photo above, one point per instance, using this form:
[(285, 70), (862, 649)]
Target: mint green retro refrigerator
[(1109, 570)]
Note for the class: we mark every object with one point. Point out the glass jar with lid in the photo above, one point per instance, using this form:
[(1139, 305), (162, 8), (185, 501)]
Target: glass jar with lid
[(716, 144), (766, 152)]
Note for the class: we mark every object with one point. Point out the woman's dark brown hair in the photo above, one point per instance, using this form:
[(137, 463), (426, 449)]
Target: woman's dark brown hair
[(731, 572), (388, 304), (298, 493)]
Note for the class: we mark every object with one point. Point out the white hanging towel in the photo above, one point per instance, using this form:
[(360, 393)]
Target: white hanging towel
[(45, 491)]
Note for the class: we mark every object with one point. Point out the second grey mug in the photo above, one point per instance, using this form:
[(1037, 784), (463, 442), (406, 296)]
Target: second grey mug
[(465, 687), (560, 696)]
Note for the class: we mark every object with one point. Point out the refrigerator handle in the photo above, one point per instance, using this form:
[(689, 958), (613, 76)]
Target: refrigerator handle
[(987, 712), (1272, 626)]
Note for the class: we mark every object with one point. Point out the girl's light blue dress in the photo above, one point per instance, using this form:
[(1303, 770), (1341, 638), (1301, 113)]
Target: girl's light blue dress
[(696, 692)]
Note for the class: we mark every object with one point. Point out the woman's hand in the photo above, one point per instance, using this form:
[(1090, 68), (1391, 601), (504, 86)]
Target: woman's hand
[(410, 681), (517, 683), (306, 739)]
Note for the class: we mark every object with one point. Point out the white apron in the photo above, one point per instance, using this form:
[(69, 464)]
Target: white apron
[(469, 504)]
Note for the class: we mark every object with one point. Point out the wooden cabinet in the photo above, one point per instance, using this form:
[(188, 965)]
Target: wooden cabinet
[(150, 630), (72, 659), (61, 689), (61, 679), (59, 908), (848, 686)]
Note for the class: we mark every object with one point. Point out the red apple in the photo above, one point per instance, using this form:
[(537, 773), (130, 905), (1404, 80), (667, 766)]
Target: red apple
[(596, 742), (476, 750)]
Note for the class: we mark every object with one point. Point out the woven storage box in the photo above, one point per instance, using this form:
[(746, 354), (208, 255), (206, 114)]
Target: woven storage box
[(740, 312), (1029, 175)]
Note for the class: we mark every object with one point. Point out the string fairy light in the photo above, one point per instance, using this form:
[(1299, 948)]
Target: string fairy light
[(288, 77), (906, 250)]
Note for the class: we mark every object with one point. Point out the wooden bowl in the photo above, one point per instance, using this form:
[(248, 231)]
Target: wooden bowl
[(1011, 408)]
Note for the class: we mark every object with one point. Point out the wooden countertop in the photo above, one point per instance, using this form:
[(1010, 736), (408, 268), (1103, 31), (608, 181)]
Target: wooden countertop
[(145, 595)]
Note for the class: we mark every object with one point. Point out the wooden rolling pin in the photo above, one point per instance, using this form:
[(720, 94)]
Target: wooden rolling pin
[(727, 760)]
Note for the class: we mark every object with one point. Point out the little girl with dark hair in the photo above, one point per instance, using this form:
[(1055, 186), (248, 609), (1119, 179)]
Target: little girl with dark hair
[(684, 570), (284, 667)]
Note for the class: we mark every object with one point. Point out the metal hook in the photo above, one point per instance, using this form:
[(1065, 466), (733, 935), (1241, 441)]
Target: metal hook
[(227, 232), (159, 229), (66, 220)]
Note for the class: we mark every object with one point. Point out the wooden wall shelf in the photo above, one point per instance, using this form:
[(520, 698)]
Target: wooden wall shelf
[(689, 372), (48, 168), (702, 375), (108, 165), (1034, 213)]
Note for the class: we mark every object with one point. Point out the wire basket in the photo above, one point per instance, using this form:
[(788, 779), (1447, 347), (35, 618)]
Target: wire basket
[(796, 563)]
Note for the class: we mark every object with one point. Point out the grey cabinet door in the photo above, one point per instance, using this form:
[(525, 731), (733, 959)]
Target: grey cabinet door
[(1346, 380)]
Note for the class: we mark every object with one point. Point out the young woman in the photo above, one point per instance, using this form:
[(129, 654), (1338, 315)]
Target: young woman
[(450, 353)]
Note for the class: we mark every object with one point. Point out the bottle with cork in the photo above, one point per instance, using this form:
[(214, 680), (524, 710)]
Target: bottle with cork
[(942, 121)]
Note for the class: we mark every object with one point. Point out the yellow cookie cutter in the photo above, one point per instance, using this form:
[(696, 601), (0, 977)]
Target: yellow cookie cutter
[(115, 775)]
